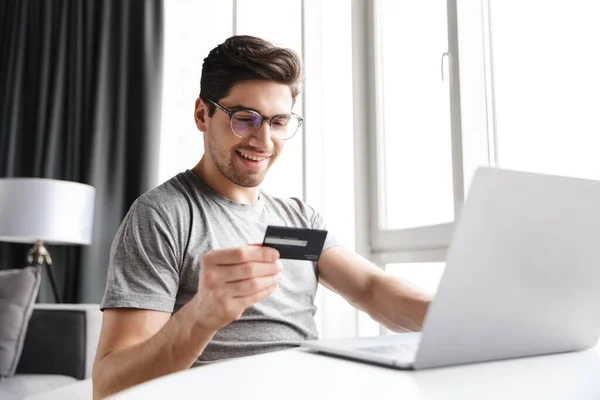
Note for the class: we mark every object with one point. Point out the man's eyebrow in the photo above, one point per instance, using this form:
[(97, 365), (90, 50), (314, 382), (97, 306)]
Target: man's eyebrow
[(243, 107)]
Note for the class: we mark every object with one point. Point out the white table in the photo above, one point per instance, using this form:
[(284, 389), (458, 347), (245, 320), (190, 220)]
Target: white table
[(301, 374)]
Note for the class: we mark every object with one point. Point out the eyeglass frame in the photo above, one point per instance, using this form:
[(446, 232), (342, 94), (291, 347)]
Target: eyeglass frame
[(262, 119)]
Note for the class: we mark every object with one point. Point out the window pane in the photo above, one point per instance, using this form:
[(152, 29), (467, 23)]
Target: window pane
[(279, 22), (547, 86), (417, 164), (337, 142), (186, 43), (424, 275)]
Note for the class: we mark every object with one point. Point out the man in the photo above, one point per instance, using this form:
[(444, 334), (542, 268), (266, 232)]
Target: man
[(187, 283)]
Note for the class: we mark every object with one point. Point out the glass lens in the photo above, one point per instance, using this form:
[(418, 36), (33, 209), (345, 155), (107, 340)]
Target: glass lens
[(245, 123), (284, 126)]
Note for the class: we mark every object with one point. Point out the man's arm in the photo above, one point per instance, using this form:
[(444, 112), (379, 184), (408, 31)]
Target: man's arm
[(138, 345), (390, 301)]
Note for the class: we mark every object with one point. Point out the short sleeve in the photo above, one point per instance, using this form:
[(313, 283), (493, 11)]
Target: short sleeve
[(143, 271), (318, 222)]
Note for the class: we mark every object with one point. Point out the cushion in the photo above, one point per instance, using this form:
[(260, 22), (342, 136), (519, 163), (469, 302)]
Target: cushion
[(60, 335), (18, 291), (80, 390), (21, 386)]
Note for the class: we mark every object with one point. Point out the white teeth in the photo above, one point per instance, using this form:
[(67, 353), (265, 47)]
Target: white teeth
[(251, 157)]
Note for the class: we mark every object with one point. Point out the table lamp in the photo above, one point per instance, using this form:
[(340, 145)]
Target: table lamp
[(39, 211)]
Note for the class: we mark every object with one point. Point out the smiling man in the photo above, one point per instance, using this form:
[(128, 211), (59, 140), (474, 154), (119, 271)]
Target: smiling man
[(187, 283)]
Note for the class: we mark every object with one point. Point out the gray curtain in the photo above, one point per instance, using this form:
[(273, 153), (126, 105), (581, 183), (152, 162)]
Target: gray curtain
[(80, 89)]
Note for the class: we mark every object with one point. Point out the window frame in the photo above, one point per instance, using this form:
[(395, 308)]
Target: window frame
[(423, 243)]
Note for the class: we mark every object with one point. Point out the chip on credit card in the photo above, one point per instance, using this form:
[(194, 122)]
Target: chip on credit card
[(295, 243)]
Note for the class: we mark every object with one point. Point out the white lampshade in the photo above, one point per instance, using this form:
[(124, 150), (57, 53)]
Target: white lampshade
[(57, 212)]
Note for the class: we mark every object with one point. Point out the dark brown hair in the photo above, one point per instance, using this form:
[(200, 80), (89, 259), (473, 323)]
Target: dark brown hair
[(244, 58)]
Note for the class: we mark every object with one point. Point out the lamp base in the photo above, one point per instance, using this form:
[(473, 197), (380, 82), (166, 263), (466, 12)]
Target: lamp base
[(38, 255)]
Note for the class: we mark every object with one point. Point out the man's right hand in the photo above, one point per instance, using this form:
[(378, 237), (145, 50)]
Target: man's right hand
[(232, 280)]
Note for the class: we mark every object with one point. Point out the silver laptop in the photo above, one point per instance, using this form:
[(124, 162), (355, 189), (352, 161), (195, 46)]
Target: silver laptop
[(522, 278)]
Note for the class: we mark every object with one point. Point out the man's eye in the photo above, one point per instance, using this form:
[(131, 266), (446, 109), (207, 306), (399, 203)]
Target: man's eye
[(247, 119), (280, 121)]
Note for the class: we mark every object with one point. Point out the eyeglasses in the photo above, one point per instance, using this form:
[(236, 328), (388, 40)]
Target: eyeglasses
[(247, 122)]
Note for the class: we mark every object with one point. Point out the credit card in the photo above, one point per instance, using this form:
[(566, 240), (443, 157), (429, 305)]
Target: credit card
[(295, 243)]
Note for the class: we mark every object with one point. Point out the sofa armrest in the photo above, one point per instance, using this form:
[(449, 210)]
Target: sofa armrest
[(61, 339)]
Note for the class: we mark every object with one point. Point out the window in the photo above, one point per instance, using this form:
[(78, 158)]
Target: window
[(415, 150), (416, 157), (388, 148), (523, 95), (547, 86)]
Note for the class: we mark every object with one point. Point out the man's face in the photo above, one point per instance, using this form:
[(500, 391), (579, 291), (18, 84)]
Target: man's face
[(245, 161)]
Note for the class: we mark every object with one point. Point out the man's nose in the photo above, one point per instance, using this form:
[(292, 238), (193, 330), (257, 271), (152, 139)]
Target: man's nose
[(262, 137)]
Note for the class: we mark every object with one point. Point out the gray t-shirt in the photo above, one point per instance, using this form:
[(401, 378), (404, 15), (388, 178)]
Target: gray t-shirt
[(155, 262)]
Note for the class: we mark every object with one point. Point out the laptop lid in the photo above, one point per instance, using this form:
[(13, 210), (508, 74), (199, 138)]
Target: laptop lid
[(523, 272)]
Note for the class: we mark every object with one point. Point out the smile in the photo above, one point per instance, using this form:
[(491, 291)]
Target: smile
[(251, 157)]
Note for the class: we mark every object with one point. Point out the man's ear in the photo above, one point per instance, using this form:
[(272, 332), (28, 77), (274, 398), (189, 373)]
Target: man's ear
[(201, 115)]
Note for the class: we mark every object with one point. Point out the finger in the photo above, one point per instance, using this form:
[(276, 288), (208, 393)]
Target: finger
[(247, 301), (249, 287), (238, 255), (249, 270)]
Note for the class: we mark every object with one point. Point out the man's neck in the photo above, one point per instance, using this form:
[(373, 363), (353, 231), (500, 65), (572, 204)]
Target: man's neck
[(212, 177)]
